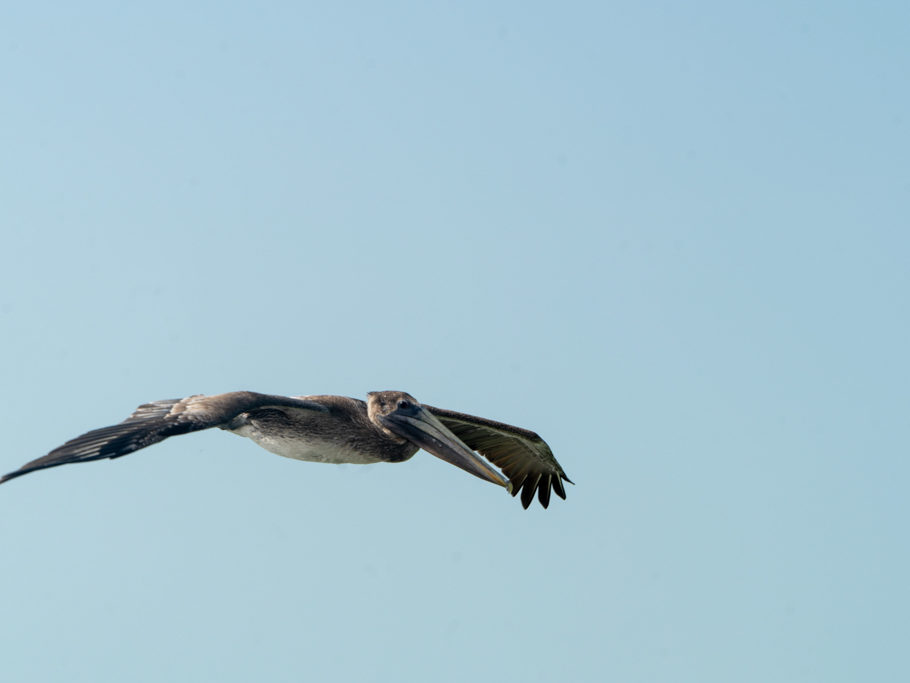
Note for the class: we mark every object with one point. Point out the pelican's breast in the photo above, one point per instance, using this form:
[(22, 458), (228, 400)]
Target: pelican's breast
[(335, 437), (313, 448)]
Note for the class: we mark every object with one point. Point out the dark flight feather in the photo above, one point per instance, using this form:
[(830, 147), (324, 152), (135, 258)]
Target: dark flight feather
[(522, 455), (154, 422)]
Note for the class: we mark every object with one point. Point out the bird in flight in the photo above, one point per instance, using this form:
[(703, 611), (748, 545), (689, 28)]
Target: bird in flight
[(390, 426)]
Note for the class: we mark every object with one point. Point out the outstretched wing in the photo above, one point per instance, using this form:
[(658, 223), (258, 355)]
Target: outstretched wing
[(522, 455), (156, 421)]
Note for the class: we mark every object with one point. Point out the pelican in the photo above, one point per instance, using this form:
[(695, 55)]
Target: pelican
[(390, 426)]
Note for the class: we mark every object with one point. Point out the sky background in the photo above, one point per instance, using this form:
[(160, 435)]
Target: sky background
[(672, 238)]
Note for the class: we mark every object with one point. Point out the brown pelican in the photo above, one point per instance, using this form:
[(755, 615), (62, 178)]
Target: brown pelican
[(391, 426)]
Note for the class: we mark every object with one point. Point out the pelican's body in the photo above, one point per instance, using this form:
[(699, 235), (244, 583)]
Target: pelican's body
[(342, 434), (391, 426)]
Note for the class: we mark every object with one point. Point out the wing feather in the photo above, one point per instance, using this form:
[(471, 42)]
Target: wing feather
[(522, 455), (156, 421)]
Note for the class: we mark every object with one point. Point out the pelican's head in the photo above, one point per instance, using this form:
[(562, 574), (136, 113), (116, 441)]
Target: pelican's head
[(384, 403), (398, 414)]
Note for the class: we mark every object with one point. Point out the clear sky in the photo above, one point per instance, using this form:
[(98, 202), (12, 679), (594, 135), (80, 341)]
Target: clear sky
[(672, 238)]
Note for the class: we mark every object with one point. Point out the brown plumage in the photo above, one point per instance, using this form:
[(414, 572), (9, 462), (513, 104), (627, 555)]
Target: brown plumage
[(391, 426)]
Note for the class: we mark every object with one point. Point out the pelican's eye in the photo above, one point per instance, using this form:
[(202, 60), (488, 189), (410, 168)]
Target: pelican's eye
[(403, 404)]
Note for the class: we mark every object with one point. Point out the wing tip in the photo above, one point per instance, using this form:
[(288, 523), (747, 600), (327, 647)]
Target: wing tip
[(17, 473), (543, 485)]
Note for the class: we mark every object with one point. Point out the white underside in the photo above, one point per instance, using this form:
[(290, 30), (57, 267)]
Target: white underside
[(301, 449)]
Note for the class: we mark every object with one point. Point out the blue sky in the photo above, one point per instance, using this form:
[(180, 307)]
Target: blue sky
[(672, 239)]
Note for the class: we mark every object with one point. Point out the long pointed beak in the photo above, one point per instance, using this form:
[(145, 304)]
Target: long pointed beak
[(422, 428)]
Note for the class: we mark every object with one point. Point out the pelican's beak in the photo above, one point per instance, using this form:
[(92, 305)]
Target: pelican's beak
[(420, 426)]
